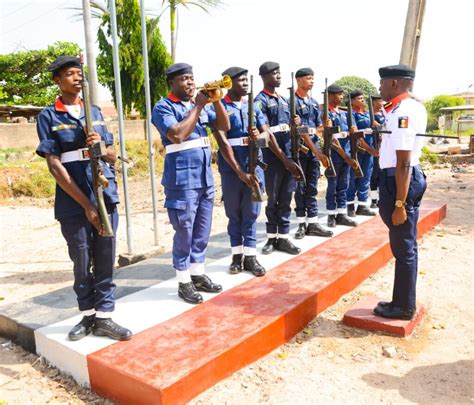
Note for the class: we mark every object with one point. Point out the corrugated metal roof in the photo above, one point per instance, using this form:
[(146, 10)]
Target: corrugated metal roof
[(458, 108)]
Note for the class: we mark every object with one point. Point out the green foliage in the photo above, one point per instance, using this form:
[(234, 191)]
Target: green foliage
[(130, 57), (24, 75), (434, 106), (137, 152), (428, 156), (351, 83)]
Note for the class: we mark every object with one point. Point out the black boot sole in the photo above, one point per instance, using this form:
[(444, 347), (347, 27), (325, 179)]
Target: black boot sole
[(113, 336), (180, 295)]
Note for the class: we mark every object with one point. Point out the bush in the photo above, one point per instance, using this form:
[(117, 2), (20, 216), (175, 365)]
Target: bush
[(428, 157)]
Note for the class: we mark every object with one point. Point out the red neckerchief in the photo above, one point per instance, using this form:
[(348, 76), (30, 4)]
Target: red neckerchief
[(359, 110), (59, 105), (395, 101), (270, 94)]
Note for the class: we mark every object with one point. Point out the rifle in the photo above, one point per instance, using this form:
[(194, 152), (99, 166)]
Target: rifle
[(328, 135), (353, 139), (254, 146), (297, 143), (96, 151), (377, 133)]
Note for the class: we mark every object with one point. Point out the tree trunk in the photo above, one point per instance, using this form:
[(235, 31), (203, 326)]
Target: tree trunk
[(92, 68)]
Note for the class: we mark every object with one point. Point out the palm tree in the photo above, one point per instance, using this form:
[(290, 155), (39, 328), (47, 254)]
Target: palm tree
[(173, 7)]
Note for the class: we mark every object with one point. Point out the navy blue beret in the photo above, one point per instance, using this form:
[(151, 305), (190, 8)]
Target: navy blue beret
[(376, 97), (268, 67), (356, 93), (397, 72), (234, 71), (62, 62), (304, 72), (334, 88), (178, 69)]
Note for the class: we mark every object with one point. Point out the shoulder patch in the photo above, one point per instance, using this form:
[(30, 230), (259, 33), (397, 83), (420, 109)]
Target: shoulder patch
[(402, 122)]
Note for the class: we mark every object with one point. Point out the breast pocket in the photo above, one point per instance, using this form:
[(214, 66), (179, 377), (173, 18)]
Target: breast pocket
[(71, 139), (186, 168)]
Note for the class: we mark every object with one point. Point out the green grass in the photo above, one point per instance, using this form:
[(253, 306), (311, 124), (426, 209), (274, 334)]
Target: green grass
[(428, 157)]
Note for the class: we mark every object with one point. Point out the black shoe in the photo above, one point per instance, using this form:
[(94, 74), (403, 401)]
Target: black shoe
[(269, 246), (205, 284), (301, 231), (374, 204), (107, 327), (331, 221), (236, 265), (383, 304), (394, 312), (284, 245), (351, 210), (251, 264), (188, 293), (343, 219), (363, 210), (82, 329), (317, 230)]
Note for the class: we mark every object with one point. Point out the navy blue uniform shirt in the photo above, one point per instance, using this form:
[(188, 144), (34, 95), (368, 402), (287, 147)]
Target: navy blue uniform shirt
[(60, 132), (276, 111), (238, 117), (187, 169), (339, 119), (308, 110)]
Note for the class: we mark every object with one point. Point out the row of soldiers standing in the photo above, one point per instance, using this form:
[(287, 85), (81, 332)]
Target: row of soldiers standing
[(187, 179)]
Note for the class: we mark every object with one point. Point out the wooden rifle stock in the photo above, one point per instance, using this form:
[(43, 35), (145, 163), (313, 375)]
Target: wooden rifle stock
[(328, 135), (353, 139), (96, 151)]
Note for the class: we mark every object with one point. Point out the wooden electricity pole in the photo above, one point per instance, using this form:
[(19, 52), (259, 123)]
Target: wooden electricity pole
[(412, 34)]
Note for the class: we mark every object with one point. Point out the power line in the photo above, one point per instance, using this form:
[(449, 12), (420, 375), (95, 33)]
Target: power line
[(18, 9), (35, 18)]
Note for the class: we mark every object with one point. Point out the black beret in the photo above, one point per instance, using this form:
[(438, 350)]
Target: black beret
[(178, 69), (304, 72), (356, 93), (268, 67), (397, 72), (334, 88), (62, 62), (234, 71), (376, 97)]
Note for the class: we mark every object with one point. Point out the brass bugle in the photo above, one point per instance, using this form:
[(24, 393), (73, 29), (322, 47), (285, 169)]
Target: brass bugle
[(224, 83)]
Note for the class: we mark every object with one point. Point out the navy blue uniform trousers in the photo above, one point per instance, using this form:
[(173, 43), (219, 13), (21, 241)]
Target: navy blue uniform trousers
[(94, 258), (279, 186), (336, 192), (305, 196), (359, 186), (403, 237)]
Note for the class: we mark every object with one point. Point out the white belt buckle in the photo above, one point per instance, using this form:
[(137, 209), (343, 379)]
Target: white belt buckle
[(205, 142), (244, 141), (83, 154)]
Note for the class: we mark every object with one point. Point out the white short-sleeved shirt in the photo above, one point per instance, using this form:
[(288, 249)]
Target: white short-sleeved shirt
[(405, 120)]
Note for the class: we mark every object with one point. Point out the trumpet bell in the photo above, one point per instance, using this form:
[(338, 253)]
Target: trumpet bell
[(224, 83)]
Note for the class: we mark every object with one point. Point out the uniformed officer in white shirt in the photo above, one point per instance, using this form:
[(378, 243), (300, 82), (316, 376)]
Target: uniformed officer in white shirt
[(402, 184)]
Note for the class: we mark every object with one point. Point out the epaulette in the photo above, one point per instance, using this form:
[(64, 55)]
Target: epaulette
[(387, 105)]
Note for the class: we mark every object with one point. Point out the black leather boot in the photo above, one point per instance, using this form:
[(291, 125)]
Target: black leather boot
[(82, 329), (284, 245), (301, 231), (188, 293), (236, 265), (331, 221), (351, 210), (269, 246), (251, 264), (374, 204), (205, 284), (343, 219), (317, 230), (107, 327), (393, 312), (363, 210)]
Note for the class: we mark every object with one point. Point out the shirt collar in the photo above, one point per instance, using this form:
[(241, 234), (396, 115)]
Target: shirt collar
[(395, 101), (298, 93), (359, 110), (59, 105), (270, 94)]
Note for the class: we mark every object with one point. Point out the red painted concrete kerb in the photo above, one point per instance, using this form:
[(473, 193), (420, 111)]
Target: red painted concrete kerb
[(361, 316), (176, 360)]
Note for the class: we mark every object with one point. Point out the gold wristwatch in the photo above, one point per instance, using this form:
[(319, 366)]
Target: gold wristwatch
[(400, 203)]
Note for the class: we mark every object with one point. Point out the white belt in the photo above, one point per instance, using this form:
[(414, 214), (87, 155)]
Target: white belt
[(368, 131), (74, 155), (195, 143), (312, 131), (244, 141), (280, 128), (343, 134)]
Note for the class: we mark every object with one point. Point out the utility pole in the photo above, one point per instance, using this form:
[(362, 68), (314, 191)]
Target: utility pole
[(91, 65), (412, 34)]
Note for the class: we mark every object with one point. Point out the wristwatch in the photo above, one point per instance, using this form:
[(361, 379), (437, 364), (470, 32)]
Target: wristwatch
[(400, 203)]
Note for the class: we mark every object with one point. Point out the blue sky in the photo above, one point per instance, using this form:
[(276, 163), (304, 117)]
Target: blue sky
[(336, 38)]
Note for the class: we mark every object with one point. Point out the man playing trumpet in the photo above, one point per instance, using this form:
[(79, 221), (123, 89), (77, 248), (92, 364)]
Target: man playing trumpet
[(187, 177)]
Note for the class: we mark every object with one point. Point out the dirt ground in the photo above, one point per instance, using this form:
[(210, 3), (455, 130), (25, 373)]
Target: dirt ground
[(325, 363)]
